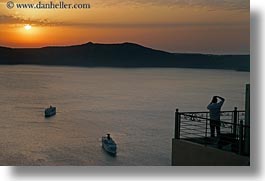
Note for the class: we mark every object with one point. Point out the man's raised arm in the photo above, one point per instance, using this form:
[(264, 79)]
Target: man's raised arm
[(221, 98)]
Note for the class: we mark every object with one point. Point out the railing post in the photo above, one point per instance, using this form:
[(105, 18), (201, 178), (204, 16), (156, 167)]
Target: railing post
[(177, 124), (241, 138), (235, 122)]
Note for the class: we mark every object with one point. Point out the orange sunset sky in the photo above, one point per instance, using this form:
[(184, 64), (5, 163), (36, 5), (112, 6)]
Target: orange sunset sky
[(204, 26)]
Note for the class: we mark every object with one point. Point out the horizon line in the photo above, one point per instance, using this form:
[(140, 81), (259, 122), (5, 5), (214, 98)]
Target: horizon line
[(120, 43)]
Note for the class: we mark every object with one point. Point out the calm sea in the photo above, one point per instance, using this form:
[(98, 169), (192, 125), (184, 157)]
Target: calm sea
[(135, 105)]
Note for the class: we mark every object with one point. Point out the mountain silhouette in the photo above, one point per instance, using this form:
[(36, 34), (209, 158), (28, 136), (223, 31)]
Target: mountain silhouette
[(127, 55)]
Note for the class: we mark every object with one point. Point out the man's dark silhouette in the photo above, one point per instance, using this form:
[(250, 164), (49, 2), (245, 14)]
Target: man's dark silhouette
[(215, 108)]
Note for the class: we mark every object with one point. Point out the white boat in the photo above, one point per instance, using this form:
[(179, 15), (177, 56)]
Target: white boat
[(109, 145), (51, 111)]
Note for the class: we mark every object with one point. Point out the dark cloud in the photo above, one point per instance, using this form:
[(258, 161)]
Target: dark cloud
[(7, 19), (155, 25), (209, 4), (217, 4)]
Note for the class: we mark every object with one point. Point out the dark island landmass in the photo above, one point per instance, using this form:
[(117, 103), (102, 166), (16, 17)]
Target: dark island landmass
[(126, 55)]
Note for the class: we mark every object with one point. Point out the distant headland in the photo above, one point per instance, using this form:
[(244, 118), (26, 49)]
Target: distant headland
[(124, 55)]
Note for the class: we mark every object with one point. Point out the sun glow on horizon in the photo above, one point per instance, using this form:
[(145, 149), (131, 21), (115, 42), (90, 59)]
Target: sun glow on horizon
[(27, 27)]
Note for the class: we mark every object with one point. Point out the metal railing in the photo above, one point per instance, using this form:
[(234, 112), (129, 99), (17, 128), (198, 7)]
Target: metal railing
[(195, 127)]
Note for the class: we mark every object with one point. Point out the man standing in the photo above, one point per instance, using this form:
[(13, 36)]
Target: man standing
[(215, 108)]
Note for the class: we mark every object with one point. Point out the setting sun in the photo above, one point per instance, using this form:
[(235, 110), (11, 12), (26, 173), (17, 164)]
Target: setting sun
[(27, 27)]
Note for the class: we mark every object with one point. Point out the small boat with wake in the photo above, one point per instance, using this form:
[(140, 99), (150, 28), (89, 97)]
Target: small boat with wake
[(51, 111), (109, 145)]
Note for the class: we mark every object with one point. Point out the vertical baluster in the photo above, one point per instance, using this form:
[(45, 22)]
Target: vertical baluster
[(235, 122), (241, 135), (206, 129)]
